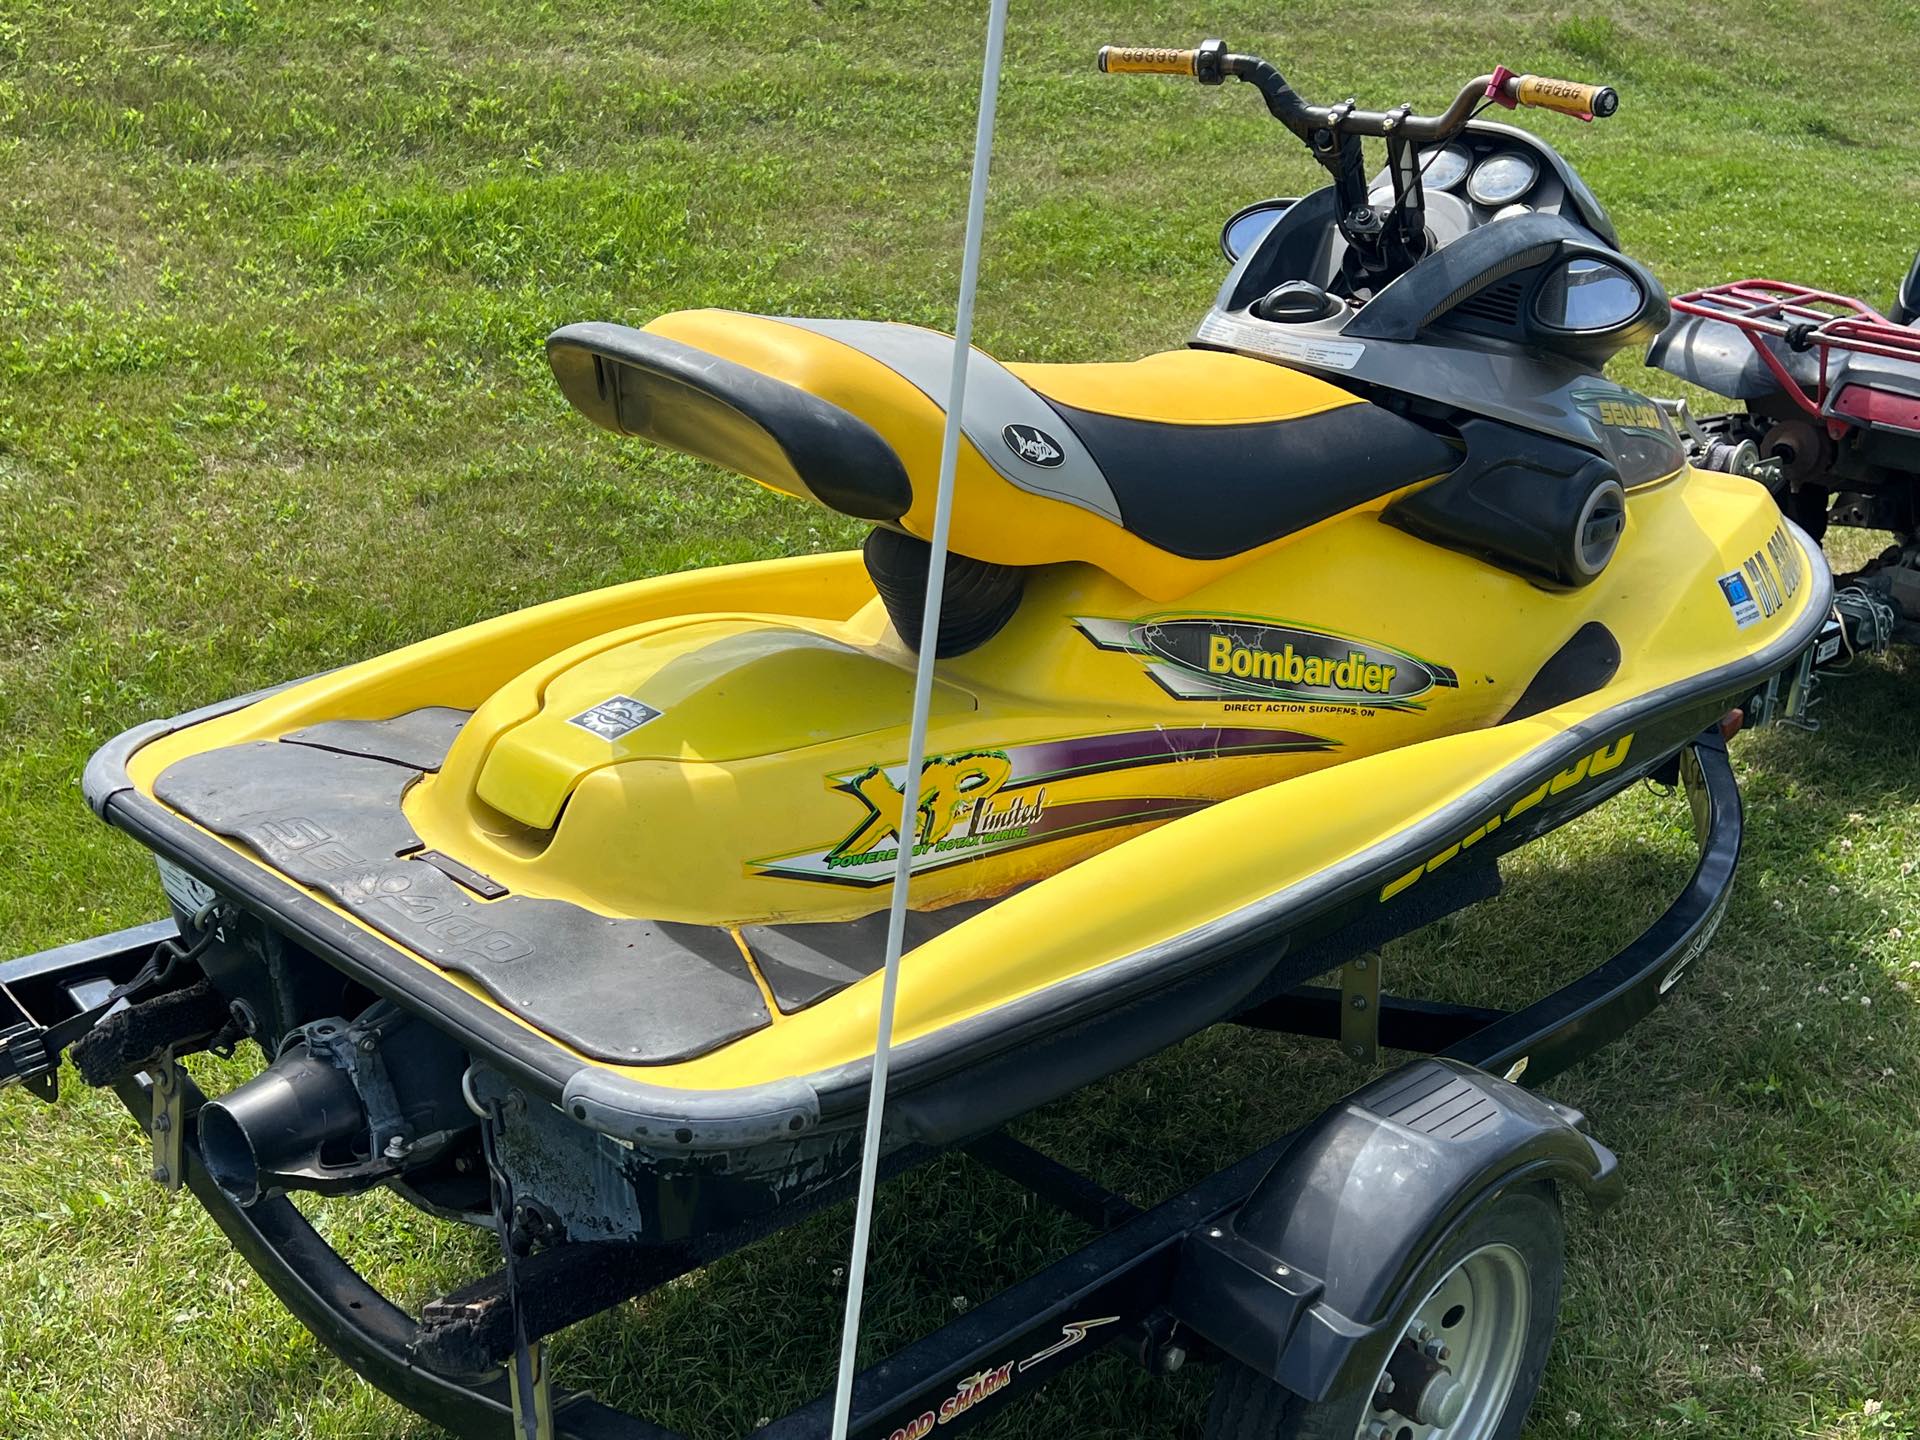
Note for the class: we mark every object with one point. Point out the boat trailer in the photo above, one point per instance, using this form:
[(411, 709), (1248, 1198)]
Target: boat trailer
[(1232, 1267)]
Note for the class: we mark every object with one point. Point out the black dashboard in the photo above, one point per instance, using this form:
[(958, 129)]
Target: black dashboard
[(1520, 251), (1494, 172)]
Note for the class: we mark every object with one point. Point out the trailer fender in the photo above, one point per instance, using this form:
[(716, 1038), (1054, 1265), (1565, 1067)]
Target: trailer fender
[(1301, 1282)]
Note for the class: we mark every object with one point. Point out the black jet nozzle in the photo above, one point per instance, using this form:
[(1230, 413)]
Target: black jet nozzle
[(274, 1131)]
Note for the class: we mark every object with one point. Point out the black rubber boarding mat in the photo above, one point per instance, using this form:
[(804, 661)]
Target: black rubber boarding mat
[(627, 991), (803, 964), (419, 738)]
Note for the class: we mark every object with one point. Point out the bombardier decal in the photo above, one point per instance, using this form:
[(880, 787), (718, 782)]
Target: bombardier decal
[(1242, 657), (982, 802)]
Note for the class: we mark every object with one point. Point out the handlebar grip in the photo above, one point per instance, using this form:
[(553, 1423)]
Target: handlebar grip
[(1147, 60), (1569, 97)]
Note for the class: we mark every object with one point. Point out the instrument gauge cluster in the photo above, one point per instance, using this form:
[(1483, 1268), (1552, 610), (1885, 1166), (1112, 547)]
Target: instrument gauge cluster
[(1502, 179), (1444, 169), (1490, 173)]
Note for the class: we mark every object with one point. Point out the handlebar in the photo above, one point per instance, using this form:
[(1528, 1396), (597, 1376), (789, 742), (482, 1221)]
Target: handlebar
[(1210, 63), (1145, 60), (1382, 242), (1569, 97)]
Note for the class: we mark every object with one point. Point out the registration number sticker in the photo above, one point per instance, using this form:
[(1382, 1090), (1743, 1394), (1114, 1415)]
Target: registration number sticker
[(1746, 610)]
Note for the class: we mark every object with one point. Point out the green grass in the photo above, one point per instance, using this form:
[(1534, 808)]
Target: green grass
[(273, 282)]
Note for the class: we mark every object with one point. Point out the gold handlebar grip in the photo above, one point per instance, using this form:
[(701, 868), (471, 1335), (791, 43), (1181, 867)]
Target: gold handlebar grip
[(1146, 60), (1569, 97)]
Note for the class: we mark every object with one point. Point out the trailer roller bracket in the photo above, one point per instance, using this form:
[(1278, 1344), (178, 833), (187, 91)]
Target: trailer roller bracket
[(169, 1123), (1360, 1008)]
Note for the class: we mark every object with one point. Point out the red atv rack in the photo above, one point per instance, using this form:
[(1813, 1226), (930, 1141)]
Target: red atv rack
[(1802, 319)]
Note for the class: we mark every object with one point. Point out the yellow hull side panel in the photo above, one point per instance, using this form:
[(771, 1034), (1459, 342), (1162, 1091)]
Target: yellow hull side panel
[(688, 818)]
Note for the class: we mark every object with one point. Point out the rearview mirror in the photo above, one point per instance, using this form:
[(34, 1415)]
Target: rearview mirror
[(1247, 227), (1588, 295)]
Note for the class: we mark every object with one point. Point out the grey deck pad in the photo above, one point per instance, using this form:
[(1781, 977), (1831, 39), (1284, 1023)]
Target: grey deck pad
[(628, 991), (806, 963), (419, 738)]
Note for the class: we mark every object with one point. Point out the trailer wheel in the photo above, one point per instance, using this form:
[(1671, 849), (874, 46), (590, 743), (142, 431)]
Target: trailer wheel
[(1485, 1311)]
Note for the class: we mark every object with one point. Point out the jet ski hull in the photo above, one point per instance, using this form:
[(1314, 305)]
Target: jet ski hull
[(1008, 1000)]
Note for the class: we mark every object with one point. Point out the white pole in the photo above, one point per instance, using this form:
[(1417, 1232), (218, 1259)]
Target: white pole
[(922, 703)]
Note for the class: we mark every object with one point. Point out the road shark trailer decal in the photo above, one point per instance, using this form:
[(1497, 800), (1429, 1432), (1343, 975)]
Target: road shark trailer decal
[(986, 1384), (1243, 657), (983, 802), (1071, 1334)]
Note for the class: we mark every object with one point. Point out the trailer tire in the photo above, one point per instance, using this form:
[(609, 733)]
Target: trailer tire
[(1526, 1221)]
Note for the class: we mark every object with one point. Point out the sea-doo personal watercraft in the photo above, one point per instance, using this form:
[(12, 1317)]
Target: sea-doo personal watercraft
[(1254, 654), (1240, 639)]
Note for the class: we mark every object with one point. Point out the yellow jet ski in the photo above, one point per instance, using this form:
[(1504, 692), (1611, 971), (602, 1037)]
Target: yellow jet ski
[(1248, 646), (1254, 655)]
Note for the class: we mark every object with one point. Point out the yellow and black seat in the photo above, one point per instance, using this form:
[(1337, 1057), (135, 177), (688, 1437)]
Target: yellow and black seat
[(1158, 471)]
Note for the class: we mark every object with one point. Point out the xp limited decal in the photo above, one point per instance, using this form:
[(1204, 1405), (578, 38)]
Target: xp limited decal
[(983, 802), (1243, 657)]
